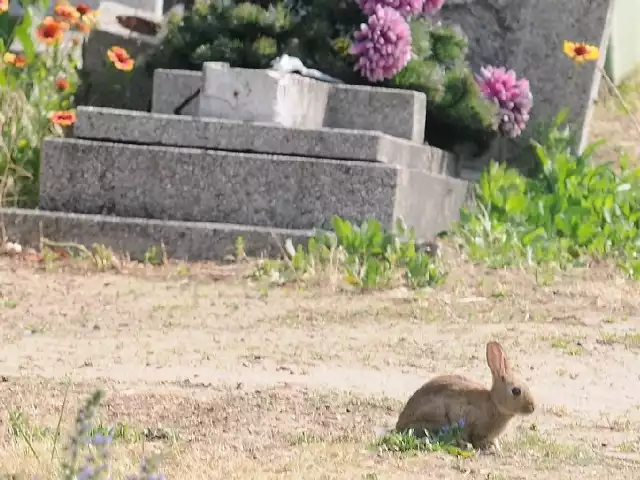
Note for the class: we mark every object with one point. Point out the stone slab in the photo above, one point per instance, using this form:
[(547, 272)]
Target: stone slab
[(185, 131), (401, 113), (281, 191), (396, 112), (260, 95), (134, 236), (528, 36), (172, 87)]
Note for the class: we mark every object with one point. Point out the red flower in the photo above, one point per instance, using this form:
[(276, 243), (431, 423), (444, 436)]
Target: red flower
[(83, 8), (63, 118), (87, 20), (62, 84), (65, 12), (121, 59), (50, 30), (16, 60)]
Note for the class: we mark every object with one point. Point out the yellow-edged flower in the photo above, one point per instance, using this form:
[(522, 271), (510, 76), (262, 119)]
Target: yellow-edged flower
[(581, 52)]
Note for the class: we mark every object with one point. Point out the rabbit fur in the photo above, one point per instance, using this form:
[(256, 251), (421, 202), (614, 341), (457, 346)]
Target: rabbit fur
[(448, 399)]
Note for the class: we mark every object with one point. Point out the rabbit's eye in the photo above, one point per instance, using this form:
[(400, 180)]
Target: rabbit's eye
[(516, 391)]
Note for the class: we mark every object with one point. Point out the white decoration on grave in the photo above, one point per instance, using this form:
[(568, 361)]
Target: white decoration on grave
[(288, 64)]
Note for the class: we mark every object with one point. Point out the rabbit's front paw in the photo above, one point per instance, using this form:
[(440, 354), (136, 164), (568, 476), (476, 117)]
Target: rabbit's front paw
[(490, 447)]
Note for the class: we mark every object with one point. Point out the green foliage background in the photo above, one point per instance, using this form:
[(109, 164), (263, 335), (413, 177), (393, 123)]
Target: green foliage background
[(570, 212), (320, 32)]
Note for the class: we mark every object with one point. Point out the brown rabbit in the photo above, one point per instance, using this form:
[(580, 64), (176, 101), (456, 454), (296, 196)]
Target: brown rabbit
[(448, 399)]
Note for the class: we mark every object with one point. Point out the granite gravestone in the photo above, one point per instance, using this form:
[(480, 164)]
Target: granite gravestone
[(528, 36)]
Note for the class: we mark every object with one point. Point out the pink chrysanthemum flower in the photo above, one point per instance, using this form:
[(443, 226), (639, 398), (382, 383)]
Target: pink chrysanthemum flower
[(383, 45), (403, 7), (512, 96), (431, 7)]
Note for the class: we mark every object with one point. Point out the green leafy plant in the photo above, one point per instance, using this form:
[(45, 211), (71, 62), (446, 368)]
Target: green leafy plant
[(298, 263), (365, 256), (446, 439), (570, 211), (37, 89), (245, 34), (87, 455)]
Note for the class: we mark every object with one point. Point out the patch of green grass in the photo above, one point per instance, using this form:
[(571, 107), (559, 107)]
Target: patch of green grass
[(570, 345), (306, 438), (629, 339), (8, 304), (365, 257), (88, 448), (447, 439), (496, 476), (628, 447), (21, 427), (617, 424), (130, 434), (548, 451), (566, 213)]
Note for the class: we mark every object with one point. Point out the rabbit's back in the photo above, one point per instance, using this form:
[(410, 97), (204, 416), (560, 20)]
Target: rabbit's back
[(444, 400)]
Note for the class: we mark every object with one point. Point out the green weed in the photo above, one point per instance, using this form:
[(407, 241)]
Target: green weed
[(364, 256), (571, 211), (447, 439)]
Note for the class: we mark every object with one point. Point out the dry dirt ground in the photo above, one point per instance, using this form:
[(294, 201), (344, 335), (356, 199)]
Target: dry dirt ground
[(228, 379)]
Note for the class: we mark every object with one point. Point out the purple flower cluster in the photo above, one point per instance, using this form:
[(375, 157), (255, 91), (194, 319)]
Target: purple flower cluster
[(383, 44), (403, 7), (511, 95), (96, 447), (97, 462)]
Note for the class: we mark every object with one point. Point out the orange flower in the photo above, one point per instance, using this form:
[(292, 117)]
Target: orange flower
[(65, 12), (581, 52), (51, 31), (20, 61), (62, 84), (4, 6), (84, 24), (64, 118), (121, 59), (15, 60)]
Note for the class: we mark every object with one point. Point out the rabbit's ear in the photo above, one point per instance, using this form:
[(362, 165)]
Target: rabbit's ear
[(497, 360)]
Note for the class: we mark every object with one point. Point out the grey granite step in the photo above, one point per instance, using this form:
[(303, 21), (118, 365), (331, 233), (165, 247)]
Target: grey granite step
[(128, 126), (135, 236), (397, 112), (186, 184)]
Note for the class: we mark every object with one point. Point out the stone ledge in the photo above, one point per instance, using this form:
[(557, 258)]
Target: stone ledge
[(401, 113), (172, 87), (127, 126), (188, 184), (134, 236), (261, 95)]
